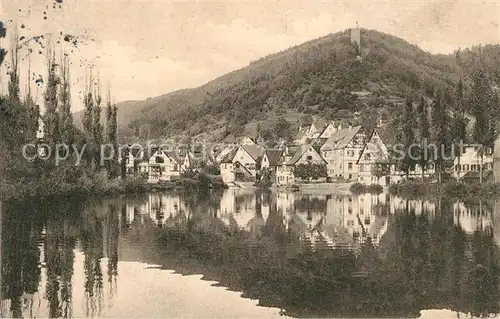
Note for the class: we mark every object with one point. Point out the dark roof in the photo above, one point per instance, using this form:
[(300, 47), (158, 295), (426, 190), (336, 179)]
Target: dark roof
[(229, 157), (381, 153), (300, 152), (274, 156), (341, 138)]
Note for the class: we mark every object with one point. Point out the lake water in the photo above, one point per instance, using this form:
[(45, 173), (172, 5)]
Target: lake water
[(250, 254)]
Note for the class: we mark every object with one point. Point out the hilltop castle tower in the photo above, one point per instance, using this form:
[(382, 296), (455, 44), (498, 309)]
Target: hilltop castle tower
[(356, 37)]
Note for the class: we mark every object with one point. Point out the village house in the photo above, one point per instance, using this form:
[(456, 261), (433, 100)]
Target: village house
[(40, 135), (341, 152), (305, 154), (271, 160), (130, 157), (163, 166), (306, 133), (470, 161), (241, 164), (374, 162), (328, 131)]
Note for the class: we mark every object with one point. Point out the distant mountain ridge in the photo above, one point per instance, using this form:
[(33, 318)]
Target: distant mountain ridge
[(325, 78)]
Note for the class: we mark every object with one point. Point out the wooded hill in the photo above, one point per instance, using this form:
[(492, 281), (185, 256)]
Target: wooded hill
[(328, 78)]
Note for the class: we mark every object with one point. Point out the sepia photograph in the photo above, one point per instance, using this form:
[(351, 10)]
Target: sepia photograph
[(250, 159)]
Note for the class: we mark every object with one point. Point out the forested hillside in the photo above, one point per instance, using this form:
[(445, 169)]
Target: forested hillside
[(328, 78)]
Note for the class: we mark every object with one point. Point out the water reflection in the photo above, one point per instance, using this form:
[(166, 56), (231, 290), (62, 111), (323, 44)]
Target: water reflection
[(309, 254)]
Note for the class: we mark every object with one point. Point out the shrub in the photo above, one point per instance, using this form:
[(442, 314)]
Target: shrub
[(357, 188)]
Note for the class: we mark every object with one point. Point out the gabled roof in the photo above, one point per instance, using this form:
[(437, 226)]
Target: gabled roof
[(300, 152), (169, 154), (255, 151), (371, 147), (341, 138), (229, 156), (274, 156), (332, 123), (134, 151)]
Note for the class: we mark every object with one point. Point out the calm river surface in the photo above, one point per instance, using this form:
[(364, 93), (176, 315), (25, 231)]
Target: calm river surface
[(245, 253)]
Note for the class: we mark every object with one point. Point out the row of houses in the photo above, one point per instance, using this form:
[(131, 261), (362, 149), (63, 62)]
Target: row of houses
[(349, 154)]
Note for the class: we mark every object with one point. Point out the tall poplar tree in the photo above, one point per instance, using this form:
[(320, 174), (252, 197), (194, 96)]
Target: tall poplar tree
[(408, 136), (88, 120), (65, 116), (424, 133), (97, 129), (51, 102), (439, 130), (459, 124), (480, 102)]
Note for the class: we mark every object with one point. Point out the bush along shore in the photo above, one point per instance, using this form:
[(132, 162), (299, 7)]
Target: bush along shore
[(99, 184), (358, 188), (452, 189)]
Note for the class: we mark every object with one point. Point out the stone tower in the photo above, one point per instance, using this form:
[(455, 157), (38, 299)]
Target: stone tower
[(356, 36)]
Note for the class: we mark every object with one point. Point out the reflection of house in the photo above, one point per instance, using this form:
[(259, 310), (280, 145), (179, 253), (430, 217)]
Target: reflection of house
[(417, 206), (472, 218), (243, 209), (167, 208), (357, 216)]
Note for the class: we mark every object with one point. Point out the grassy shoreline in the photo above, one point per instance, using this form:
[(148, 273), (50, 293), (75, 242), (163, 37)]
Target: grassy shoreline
[(450, 189), (99, 185)]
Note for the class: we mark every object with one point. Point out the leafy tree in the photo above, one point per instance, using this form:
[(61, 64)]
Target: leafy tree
[(459, 122), (408, 137), (282, 129), (483, 102), (310, 171), (51, 102), (65, 116), (440, 131), (424, 133)]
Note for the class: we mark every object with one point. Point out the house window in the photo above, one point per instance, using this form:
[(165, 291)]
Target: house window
[(175, 167), (457, 167), (349, 165), (367, 221), (473, 168), (159, 160), (350, 153), (309, 158), (466, 167)]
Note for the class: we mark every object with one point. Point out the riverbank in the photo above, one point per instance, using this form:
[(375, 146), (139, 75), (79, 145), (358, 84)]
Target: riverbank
[(317, 187), (453, 190), (99, 184)]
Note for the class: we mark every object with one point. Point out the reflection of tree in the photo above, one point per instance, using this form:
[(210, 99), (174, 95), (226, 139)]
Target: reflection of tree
[(53, 266), (92, 248), (68, 260), (59, 255), (21, 230), (112, 247)]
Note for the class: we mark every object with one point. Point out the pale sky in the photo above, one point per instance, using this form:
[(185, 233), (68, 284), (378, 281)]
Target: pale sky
[(152, 47)]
